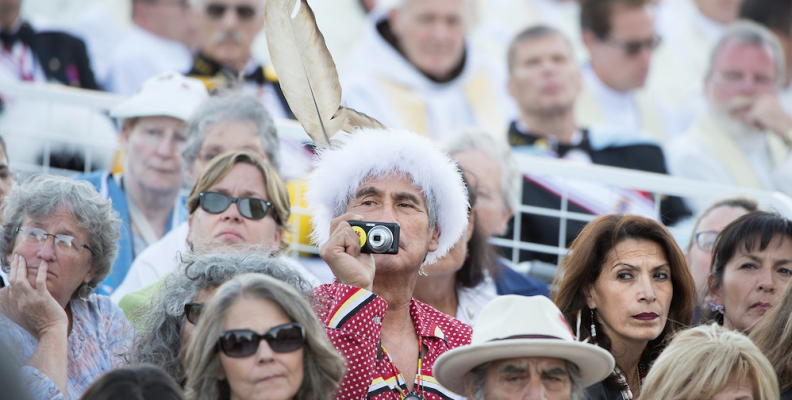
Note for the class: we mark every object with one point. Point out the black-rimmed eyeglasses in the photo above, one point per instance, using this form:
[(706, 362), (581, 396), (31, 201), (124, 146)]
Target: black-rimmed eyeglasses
[(30, 234)]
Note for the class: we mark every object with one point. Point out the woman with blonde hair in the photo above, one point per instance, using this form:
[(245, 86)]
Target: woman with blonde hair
[(711, 362), (259, 338), (773, 335)]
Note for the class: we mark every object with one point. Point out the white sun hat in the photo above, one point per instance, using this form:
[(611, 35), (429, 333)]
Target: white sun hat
[(516, 326), (339, 172), (168, 94)]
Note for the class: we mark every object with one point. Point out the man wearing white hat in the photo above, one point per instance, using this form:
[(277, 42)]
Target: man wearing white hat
[(147, 195), (522, 348)]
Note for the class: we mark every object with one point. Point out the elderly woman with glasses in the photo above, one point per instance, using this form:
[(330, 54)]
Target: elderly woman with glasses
[(170, 320), (258, 338), (58, 243), (699, 251)]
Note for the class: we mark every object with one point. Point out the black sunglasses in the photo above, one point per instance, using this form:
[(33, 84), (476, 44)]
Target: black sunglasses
[(193, 311), (244, 13), (634, 47), (249, 207), (244, 342)]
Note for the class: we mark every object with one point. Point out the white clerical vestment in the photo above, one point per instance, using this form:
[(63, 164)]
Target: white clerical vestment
[(708, 152), (599, 106), (381, 83), (141, 55)]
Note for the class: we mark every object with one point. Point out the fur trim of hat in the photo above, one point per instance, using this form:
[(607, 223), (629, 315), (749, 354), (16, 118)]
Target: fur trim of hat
[(372, 153)]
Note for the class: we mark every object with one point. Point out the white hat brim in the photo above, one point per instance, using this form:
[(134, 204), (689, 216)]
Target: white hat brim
[(147, 107), (595, 363)]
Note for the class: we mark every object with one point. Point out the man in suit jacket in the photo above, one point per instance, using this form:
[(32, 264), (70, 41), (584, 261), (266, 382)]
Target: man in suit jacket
[(545, 82), (27, 55)]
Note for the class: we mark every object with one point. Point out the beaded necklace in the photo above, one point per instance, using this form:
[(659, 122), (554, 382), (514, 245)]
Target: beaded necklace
[(416, 394), (627, 393)]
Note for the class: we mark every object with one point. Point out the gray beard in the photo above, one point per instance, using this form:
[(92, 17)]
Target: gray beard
[(735, 127)]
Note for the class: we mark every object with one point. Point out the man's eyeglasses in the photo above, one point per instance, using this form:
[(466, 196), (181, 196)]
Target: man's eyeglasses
[(193, 312), (735, 80), (632, 48), (244, 12), (705, 240), (62, 242), (249, 207), (244, 342)]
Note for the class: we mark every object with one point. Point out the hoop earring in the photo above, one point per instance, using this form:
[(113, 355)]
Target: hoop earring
[(593, 328)]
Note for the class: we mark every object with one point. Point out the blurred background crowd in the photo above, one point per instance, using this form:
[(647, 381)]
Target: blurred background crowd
[(152, 140)]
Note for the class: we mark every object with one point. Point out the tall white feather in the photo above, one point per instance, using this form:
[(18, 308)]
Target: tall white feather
[(305, 68)]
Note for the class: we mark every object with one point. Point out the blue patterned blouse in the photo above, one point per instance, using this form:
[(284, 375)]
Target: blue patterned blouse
[(100, 336)]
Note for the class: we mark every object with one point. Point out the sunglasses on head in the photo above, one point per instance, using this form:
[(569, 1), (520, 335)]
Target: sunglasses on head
[(249, 207), (193, 312), (244, 342), (244, 12)]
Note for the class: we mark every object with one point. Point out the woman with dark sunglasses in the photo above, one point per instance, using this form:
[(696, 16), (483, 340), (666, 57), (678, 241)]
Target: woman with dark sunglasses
[(258, 338), (238, 202), (174, 313)]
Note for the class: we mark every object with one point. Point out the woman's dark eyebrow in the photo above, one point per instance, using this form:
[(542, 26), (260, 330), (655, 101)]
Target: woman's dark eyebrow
[(633, 267)]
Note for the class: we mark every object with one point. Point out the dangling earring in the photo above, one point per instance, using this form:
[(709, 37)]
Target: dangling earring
[(593, 328), (718, 308), (422, 271)]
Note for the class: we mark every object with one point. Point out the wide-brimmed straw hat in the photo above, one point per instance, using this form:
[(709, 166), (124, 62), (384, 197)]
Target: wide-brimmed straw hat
[(168, 94), (515, 327)]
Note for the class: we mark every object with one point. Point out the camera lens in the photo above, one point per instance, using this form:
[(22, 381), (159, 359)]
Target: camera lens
[(380, 239)]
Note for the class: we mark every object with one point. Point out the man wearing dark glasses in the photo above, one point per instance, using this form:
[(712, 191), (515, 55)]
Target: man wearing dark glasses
[(620, 38), (227, 29)]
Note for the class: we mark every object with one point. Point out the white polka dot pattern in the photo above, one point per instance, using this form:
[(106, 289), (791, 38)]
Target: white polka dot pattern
[(353, 317)]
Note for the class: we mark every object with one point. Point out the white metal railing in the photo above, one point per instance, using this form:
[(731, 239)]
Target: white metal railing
[(98, 103)]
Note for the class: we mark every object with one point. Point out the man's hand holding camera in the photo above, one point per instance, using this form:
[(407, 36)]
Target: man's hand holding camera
[(342, 253)]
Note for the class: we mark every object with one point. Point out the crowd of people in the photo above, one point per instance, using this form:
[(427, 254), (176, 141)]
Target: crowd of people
[(170, 275)]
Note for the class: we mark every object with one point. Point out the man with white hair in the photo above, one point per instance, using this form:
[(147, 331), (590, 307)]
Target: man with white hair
[(226, 31), (523, 348), (414, 70), (390, 340), (743, 139)]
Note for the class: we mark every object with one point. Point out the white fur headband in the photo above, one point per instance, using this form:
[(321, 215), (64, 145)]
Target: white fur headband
[(370, 153)]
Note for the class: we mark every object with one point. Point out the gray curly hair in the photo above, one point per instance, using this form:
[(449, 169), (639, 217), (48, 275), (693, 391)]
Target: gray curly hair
[(231, 106), (42, 196), (159, 342)]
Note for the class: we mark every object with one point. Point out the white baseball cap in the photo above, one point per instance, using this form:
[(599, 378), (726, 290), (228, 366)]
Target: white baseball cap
[(169, 94), (516, 326)]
